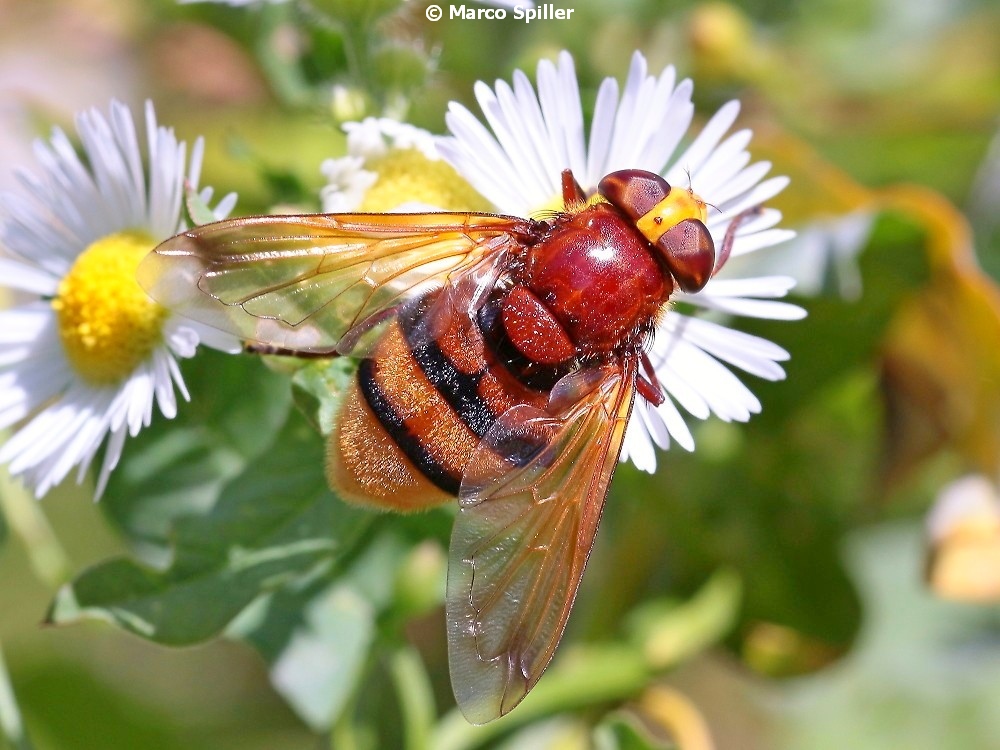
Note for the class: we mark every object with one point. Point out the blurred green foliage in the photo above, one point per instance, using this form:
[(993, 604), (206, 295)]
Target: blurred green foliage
[(780, 545)]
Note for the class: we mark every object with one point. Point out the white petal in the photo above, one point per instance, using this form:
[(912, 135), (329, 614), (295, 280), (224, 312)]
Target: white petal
[(725, 395), (136, 398), (365, 139), (197, 154), (34, 233), (15, 274), (526, 107), (679, 114), (81, 443), (225, 206), (628, 120), (753, 354), (675, 425), (29, 387), (601, 133), (696, 154), (751, 308), (724, 163), (733, 296), (760, 240), (112, 454), (559, 97), (206, 335), (766, 218), (163, 384), (181, 339), (680, 390), (47, 432), (736, 186), (756, 197), (347, 183), (512, 138), (26, 323), (758, 286), (478, 158), (178, 378), (637, 446)]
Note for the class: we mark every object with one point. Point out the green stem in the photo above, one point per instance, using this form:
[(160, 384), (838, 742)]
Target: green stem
[(416, 696), (282, 71), (25, 517), (591, 675), (350, 30), (343, 735), (354, 51), (10, 716)]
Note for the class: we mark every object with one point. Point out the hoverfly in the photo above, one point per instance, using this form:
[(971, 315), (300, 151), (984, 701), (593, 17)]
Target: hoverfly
[(499, 360)]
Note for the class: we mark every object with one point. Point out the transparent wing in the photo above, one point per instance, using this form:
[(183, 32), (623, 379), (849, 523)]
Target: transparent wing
[(530, 503), (304, 283)]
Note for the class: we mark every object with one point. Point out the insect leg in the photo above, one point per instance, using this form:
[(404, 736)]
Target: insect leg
[(278, 351), (648, 385), (572, 193), (727, 241)]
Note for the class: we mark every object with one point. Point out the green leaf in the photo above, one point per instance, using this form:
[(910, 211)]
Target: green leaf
[(198, 211), (580, 677), (923, 674), (563, 732), (318, 388), (21, 515), (415, 693), (773, 504), (669, 633), (622, 731), (177, 467), (12, 728), (276, 522), (317, 638), (317, 672)]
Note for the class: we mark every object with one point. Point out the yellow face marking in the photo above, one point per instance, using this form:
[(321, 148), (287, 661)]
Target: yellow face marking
[(671, 211)]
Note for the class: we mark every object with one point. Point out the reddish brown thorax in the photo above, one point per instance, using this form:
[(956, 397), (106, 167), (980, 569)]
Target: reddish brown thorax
[(597, 276), (596, 283)]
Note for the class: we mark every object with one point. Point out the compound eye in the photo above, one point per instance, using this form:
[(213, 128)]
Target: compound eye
[(634, 191), (689, 252)]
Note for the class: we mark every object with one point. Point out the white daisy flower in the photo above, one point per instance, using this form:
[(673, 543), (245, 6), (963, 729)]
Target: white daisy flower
[(87, 352), (518, 167)]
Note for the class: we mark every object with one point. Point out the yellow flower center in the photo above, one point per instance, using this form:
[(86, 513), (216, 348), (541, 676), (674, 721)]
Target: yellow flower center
[(107, 323), (407, 176)]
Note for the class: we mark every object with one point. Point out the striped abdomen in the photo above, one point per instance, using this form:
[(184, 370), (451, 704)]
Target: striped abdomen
[(418, 409)]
